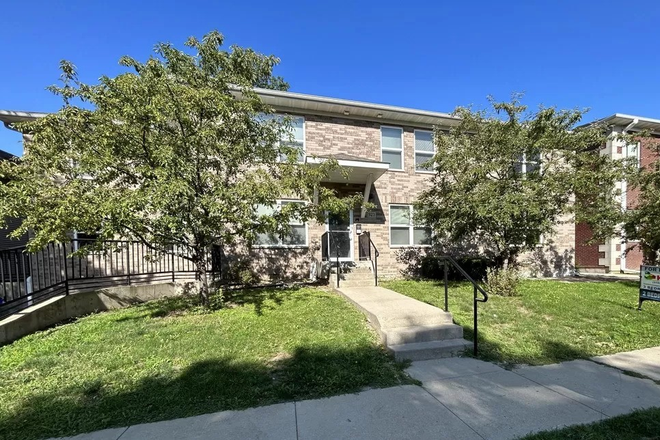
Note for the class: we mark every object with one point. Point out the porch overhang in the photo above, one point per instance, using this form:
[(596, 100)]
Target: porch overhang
[(351, 169), (354, 170)]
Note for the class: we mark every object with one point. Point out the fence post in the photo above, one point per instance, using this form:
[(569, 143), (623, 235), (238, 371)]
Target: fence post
[(446, 289), (128, 261), (172, 263), (66, 271), (475, 321)]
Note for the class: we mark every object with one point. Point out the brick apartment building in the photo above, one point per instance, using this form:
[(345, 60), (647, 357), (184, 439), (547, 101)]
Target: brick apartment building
[(382, 148), (617, 254)]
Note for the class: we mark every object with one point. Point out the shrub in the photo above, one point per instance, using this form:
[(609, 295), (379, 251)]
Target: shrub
[(502, 282), (420, 264)]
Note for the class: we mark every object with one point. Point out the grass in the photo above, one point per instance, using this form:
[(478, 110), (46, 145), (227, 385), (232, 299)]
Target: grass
[(643, 424), (165, 360), (551, 321)]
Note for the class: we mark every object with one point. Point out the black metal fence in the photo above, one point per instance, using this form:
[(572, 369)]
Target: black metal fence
[(30, 278)]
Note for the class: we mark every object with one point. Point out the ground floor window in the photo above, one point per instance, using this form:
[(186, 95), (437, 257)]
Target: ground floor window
[(403, 231), (296, 236)]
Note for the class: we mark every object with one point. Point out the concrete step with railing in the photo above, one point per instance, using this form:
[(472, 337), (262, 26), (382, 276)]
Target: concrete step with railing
[(410, 329), (422, 351)]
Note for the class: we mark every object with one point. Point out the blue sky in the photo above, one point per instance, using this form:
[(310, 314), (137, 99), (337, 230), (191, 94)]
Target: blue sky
[(433, 55)]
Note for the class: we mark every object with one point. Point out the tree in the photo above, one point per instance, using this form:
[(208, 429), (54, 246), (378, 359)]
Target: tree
[(506, 177), (176, 153), (642, 223)]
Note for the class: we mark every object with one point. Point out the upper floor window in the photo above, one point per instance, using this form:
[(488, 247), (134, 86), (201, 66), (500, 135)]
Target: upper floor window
[(527, 164), (296, 138), (634, 151), (424, 150), (296, 236), (404, 231), (391, 143)]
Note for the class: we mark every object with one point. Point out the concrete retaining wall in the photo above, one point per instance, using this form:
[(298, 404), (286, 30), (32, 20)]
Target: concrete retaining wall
[(63, 307)]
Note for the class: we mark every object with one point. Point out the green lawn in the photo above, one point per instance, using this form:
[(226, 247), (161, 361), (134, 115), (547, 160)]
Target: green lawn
[(640, 425), (164, 360), (551, 321)]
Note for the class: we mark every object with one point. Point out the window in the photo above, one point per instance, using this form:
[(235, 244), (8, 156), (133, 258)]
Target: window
[(424, 149), (634, 151), (391, 142), (296, 236), (296, 139), (403, 231), (528, 164), (81, 239)]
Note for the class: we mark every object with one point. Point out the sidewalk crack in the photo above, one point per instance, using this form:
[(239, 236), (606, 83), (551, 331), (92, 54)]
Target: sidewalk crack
[(295, 413), (123, 432), (563, 395), (455, 415)]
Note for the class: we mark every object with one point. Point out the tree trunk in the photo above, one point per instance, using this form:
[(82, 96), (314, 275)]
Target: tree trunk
[(509, 260), (201, 271)]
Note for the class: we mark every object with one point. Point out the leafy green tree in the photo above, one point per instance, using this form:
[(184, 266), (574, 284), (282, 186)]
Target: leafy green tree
[(505, 177), (176, 153), (642, 223)]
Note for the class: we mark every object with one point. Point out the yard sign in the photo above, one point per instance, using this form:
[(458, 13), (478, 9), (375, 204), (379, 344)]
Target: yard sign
[(649, 284)]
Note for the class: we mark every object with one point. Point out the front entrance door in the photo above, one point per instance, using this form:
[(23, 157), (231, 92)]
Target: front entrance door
[(340, 236)]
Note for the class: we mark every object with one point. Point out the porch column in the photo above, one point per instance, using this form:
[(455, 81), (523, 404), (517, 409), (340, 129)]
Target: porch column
[(367, 191)]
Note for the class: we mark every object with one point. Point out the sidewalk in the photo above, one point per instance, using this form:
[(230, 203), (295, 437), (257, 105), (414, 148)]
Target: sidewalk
[(461, 398)]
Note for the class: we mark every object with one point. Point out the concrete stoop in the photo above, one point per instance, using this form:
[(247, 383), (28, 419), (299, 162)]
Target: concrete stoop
[(358, 274), (410, 329)]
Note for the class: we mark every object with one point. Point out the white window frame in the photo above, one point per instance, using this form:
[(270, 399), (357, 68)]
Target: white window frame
[(76, 243), (304, 135), (280, 244), (638, 152), (392, 150), (411, 228), (523, 163), (432, 153)]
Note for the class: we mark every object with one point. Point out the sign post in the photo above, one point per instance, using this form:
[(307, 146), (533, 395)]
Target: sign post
[(649, 284)]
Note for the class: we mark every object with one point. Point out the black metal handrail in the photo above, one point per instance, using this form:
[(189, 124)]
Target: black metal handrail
[(332, 235), (29, 278), (476, 289), (371, 244)]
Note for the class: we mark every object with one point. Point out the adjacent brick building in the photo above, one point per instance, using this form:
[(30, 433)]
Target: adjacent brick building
[(617, 254)]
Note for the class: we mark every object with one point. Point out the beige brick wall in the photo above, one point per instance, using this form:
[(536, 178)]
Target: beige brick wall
[(325, 135), (332, 135), (555, 258)]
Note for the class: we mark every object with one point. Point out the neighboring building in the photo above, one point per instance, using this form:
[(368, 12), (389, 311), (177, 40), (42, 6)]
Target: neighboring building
[(617, 254), (12, 223)]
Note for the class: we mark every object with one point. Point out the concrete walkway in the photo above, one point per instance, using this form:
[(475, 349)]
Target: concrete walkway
[(410, 329), (460, 398)]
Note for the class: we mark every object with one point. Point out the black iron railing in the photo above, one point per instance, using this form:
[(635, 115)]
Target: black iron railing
[(29, 278), (447, 260), (328, 240), (365, 248)]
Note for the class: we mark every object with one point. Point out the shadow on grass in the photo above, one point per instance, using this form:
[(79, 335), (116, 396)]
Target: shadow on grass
[(552, 351), (207, 386), (261, 298)]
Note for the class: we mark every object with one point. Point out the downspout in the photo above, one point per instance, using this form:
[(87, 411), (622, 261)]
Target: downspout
[(624, 197)]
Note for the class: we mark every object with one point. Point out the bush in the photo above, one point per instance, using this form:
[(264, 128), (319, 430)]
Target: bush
[(419, 264), (502, 282)]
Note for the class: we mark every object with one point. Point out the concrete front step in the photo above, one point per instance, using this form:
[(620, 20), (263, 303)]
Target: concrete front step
[(364, 283), (356, 276), (409, 328), (421, 351), (422, 333)]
